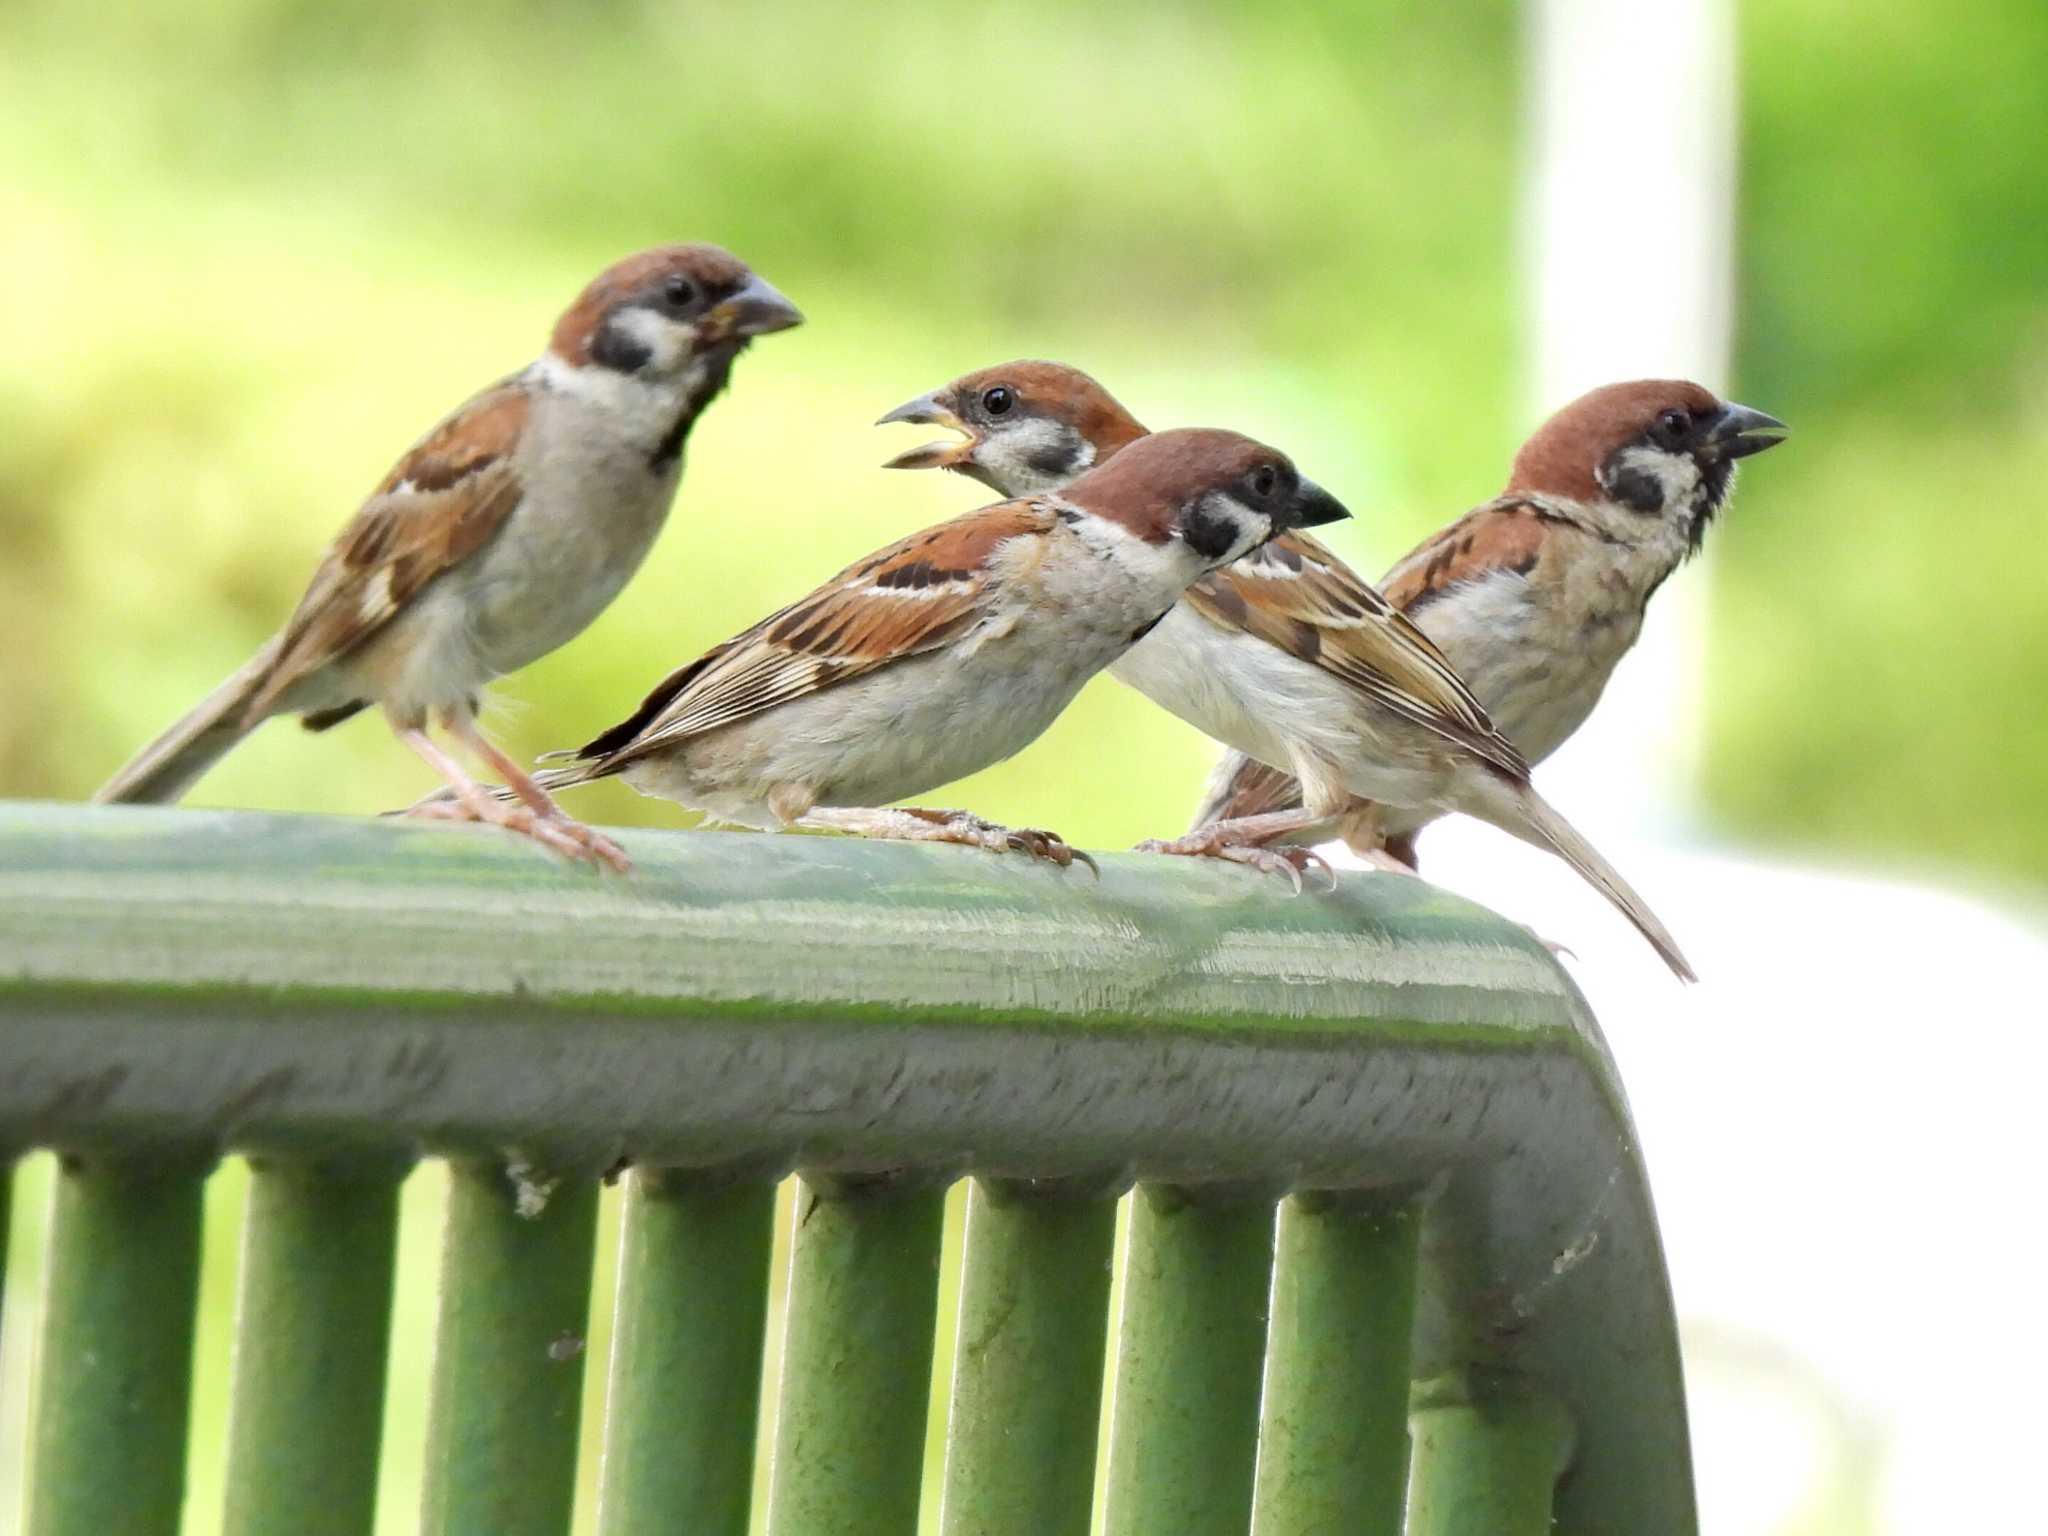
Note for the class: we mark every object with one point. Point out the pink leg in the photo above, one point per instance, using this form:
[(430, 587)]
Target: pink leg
[(1241, 839), (596, 846), (916, 824), (473, 802)]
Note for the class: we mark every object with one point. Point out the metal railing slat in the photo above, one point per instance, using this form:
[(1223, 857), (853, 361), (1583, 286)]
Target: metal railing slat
[(1333, 1436), (114, 1363), (312, 1338), (1026, 1408), (509, 1347), (855, 1387), (1191, 1339), (687, 1331)]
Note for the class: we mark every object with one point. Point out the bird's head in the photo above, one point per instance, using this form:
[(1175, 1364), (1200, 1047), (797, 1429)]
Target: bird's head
[(658, 314), (1660, 449), (1028, 427), (1201, 497)]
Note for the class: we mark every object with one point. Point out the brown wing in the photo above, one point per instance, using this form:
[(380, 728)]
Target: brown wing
[(439, 505), (913, 597), (1505, 535), (1295, 594), (1244, 786)]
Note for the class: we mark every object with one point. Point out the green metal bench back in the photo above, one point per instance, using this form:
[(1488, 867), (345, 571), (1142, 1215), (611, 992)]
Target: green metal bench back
[(1391, 1262)]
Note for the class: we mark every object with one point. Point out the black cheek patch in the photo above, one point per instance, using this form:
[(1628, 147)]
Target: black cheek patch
[(1209, 534), (1052, 459), (1636, 489), (612, 348)]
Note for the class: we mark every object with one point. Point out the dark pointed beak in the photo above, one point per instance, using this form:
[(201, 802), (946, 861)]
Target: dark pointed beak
[(1312, 507), (755, 310), (934, 411), (1740, 431)]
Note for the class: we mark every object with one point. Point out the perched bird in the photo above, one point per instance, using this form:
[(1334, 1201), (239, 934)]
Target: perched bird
[(498, 537), (1286, 655), (949, 650), (1537, 595)]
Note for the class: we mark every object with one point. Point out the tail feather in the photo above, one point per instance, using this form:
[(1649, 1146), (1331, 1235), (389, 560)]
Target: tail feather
[(162, 771), (549, 779), (1535, 820)]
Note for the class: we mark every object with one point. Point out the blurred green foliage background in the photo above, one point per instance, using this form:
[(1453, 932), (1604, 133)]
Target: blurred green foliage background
[(249, 249), (252, 248)]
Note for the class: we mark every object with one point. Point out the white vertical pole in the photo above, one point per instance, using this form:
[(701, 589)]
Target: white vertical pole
[(1628, 217)]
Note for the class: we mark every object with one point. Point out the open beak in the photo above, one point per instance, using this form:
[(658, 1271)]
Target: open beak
[(755, 310), (1312, 507), (932, 410), (1741, 431)]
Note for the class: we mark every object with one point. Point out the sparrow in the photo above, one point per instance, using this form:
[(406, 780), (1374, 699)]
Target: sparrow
[(1537, 595), (1285, 655), (949, 650), (499, 536)]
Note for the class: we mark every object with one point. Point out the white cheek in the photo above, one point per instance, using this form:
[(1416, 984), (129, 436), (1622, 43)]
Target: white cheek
[(1257, 529), (667, 343), (1675, 473), (1009, 457)]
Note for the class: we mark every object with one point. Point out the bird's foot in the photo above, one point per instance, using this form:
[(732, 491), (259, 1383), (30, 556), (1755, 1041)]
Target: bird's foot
[(1386, 862), (976, 832), (571, 839), (1289, 861)]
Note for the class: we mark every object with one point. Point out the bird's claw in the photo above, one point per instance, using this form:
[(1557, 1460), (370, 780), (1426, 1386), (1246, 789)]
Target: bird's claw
[(1051, 846), (976, 832), (1294, 863), (570, 839)]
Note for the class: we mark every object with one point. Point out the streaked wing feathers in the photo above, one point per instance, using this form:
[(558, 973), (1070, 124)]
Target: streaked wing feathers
[(913, 597), (1295, 594), (440, 504), (1502, 536)]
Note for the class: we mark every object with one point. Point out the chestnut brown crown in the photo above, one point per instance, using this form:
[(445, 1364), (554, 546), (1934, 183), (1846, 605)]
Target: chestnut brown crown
[(703, 289), (1219, 491), (1577, 454)]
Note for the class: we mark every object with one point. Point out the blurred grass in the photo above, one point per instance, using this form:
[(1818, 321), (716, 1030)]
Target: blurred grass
[(1880, 638), (252, 248), (241, 283)]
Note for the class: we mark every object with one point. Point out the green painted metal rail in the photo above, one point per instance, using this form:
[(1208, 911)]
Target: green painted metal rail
[(1391, 1254)]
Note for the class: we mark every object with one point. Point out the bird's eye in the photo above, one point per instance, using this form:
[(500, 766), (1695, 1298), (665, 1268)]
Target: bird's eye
[(1672, 427), (998, 400), (679, 291), (1264, 480)]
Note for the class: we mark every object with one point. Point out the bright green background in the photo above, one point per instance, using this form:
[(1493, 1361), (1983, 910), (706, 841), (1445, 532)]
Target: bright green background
[(252, 249), (249, 250)]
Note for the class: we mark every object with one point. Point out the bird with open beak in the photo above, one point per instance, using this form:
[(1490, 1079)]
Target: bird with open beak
[(1286, 656), (499, 536), (949, 650)]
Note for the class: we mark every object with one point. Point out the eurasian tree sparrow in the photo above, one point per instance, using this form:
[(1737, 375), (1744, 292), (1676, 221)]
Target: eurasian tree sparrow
[(950, 650), (1537, 595), (1285, 655), (498, 537)]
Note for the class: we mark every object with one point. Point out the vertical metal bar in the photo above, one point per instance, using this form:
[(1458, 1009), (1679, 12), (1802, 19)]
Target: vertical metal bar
[(686, 1355), (312, 1334), (508, 1352), (1333, 1437), (114, 1369), (1488, 1454), (856, 1359), (1184, 1421), (1027, 1372)]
